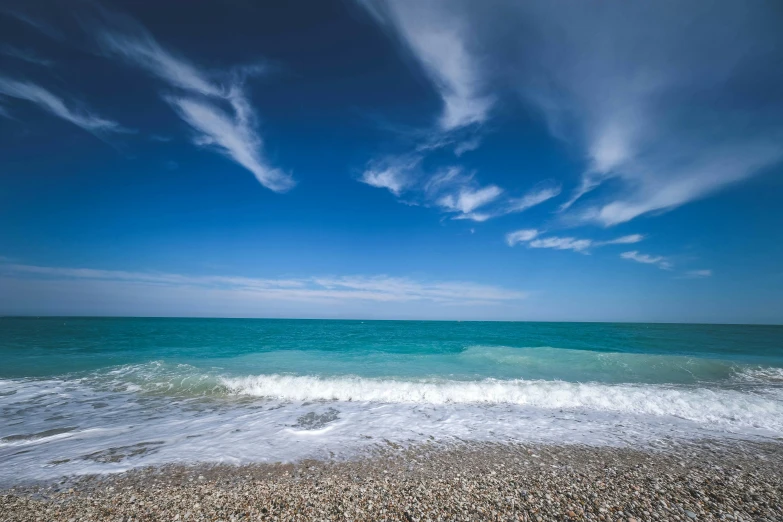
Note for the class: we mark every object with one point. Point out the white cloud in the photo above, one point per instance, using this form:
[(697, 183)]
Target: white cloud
[(521, 236), (533, 240), (466, 200), (624, 240), (467, 145), (232, 137), (394, 174), (539, 194), (444, 180), (653, 117), (659, 261), (120, 35), (452, 189), (466, 196), (405, 289), (26, 55), (658, 119), (698, 274), (231, 132), (388, 178), (56, 106), (438, 41), (671, 101), (32, 22), (562, 243), (380, 288), (478, 217), (728, 163)]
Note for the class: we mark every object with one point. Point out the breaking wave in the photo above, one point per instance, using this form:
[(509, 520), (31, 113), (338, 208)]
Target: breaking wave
[(703, 405)]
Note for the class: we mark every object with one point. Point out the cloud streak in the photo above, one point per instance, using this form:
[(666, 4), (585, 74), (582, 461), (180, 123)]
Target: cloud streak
[(671, 102), (36, 24), (215, 106), (624, 240), (451, 189), (56, 106), (659, 261), (232, 137), (521, 236), (395, 174), (532, 238), (466, 200), (539, 194), (26, 55), (438, 42), (562, 243), (380, 288), (698, 274), (650, 104)]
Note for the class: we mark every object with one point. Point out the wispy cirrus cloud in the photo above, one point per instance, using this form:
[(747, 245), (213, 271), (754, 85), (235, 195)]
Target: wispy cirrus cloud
[(521, 236), (659, 261), (624, 240), (25, 55), (395, 173), (379, 288), (439, 43), (121, 36), (654, 96), (435, 41), (467, 145), (19, 14), (451, 189), (466, 200), (232, 136), (55, 105), (533, 239), (214, 104), (698, 274), (486, 203), (657, 120), (561, 243), (542, 192), (392, 288), (389, 178)]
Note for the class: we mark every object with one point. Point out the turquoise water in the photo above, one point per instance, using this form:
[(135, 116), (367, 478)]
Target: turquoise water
[(83, 395)]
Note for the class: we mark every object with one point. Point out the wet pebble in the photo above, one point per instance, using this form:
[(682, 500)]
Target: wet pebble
[(465, 482)]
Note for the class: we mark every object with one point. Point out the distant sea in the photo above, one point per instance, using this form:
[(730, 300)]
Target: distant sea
[(86, 395)]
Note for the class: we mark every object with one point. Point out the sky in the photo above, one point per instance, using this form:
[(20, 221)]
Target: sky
[(410, 159)]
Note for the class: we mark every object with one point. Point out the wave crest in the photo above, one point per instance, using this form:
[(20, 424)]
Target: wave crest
[(696, 404)]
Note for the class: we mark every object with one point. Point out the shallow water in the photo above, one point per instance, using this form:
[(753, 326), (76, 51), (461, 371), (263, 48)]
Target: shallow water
[(100, 395)]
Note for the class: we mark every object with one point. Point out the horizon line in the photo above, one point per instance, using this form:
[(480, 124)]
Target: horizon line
[(44, 316)]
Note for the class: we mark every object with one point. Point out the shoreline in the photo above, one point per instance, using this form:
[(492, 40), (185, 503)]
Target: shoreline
[(712, 480)]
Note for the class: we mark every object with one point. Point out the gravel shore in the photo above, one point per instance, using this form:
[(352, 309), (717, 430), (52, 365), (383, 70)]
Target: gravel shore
[(435, 482)]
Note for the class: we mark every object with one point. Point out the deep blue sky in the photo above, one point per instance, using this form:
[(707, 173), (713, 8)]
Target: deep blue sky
[(411, 159)]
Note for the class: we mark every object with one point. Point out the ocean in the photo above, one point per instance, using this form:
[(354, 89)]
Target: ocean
[(95, 395)]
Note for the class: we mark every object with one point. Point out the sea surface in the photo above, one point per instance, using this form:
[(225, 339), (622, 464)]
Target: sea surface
[(93, 395)]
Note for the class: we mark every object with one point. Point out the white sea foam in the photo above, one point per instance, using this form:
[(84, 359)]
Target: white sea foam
[(729, 407), (154, 414), (761, 375)]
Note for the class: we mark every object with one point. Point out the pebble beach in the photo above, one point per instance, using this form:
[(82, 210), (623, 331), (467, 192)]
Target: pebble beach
[(706, 481)]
